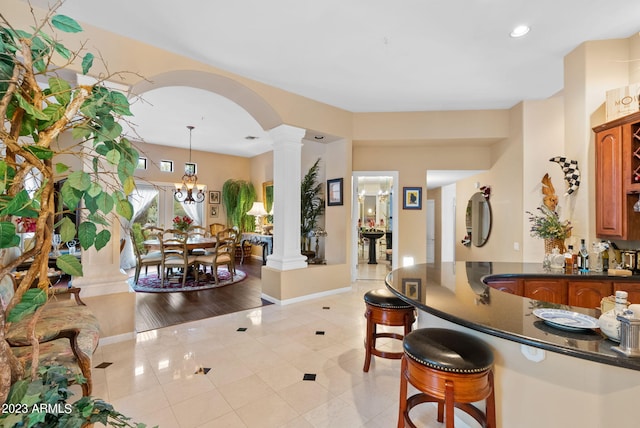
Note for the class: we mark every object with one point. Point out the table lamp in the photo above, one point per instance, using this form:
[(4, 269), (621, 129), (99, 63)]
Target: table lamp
[(257, 210)]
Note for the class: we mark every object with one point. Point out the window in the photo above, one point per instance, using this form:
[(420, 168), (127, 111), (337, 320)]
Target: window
[(142, 163), (166, 166), (156, 205)]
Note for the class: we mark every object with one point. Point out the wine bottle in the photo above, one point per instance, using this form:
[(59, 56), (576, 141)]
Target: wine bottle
[(583, 259)]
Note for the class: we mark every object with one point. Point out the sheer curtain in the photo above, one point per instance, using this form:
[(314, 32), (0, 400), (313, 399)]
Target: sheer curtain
[(195, 212), (140, 201)]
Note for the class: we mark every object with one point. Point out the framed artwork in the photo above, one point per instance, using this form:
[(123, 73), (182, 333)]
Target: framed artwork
[(166, 166), (214, 197), (213, 211), (412, 198), (334, 192), (190, 168), (412, 288)]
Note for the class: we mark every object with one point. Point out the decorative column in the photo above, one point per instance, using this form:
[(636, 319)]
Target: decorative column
[(287, 150)]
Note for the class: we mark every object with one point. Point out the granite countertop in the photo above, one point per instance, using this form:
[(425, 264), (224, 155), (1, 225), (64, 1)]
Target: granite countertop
[(455, 292)]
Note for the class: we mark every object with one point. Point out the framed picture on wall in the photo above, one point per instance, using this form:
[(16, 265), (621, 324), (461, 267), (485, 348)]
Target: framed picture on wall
[(214, 197), (334, 192), (213, 211), (412, 198)]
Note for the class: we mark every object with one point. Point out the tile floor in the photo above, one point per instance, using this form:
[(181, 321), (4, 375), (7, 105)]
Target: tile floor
[(255, 377)]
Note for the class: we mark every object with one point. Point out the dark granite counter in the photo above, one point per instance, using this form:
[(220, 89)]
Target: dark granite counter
[(455, 292)]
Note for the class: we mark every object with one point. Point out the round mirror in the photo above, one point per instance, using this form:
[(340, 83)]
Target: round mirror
[(478, 219)]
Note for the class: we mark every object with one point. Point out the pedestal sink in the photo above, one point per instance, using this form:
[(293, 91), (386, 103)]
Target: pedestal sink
[(373, 236)]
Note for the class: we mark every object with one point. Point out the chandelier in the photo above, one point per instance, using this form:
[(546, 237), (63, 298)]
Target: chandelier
[(184, 191)]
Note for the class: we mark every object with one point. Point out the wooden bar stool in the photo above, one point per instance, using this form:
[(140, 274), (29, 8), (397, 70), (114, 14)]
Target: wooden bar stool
[(384, 308), (450, 368)]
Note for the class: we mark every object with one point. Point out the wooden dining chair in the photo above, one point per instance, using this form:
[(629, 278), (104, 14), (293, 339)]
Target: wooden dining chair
[(214, 228), (197, 232), (176, 259), (143, 257), (222, 255)]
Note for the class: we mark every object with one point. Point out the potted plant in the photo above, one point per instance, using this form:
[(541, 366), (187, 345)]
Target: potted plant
[(237, 197), (311, 207), (34, 115)]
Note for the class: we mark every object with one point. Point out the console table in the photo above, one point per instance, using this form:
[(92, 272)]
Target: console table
[(266, 241)]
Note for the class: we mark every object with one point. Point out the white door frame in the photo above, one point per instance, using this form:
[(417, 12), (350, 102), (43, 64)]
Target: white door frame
[(355, 215)]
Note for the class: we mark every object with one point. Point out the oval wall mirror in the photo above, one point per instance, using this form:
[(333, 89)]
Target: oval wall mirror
[(478, 219)]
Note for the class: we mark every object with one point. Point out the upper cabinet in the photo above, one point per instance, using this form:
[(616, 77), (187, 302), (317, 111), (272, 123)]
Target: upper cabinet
[(618, 178)]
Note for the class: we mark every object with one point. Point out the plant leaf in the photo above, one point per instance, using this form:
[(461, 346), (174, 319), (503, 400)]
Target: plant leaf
[(124, 208), (87, 63), (86, 234), (66, 24), (61, 90), (68, 263), (102, 239)]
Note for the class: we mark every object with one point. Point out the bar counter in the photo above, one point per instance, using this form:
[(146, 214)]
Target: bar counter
[(580, 382)]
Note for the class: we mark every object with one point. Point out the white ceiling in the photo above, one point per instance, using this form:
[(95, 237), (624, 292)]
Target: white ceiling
[(359, 55)]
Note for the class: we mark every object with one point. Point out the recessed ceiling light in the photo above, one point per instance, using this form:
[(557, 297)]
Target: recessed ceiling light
[(520, 31)]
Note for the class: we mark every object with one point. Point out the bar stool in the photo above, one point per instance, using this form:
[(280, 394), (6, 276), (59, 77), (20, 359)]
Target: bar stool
[(384, 308), (448, 367)]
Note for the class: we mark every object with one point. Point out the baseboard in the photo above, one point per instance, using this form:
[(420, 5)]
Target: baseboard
[(305, 298)]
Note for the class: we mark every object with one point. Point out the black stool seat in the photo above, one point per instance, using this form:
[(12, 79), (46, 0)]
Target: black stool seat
[(448, 350), (384, 298)]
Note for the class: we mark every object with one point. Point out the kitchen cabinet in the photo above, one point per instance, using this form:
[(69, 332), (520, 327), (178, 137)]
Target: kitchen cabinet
[(585, 293), (617, 178), (633, 288), (547, 290), (513, 286), (588, 294)]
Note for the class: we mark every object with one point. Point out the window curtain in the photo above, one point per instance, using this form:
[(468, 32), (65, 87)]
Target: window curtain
[(195, 212), (140, 200)]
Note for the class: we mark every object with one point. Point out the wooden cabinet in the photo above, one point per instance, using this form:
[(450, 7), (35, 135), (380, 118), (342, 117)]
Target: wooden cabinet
[(574, 291), (617, 173), (547, 290), (588, 294), (513, 286), (633, 288)]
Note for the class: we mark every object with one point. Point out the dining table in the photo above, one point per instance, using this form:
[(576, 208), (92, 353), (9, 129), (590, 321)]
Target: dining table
[(193, 243)]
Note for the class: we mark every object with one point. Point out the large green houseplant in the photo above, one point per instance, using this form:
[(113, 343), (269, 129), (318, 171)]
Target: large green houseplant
[(237, 197), (311, 205), (37, 106)]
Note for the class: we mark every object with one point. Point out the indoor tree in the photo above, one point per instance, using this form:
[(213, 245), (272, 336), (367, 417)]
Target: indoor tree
[(37, 105), (311, 204)]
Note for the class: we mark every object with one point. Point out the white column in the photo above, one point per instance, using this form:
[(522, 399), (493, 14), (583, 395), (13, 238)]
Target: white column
[(287, 150), (101, 269)]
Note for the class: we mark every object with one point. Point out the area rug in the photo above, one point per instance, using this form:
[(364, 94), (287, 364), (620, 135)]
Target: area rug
[(152, 284)]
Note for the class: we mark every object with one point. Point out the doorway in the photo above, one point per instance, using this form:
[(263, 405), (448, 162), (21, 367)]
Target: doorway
[(375, 206)]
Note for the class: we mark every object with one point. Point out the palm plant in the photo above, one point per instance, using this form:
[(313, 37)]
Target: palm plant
[(311, 204)]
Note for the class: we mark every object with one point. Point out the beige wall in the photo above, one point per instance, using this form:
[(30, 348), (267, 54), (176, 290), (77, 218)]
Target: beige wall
[(505, 179)]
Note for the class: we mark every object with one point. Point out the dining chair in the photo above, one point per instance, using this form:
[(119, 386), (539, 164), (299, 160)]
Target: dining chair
[(176, 259), (214, 228), (196, 232), (232, 236), (222, 255), (143, 257)]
